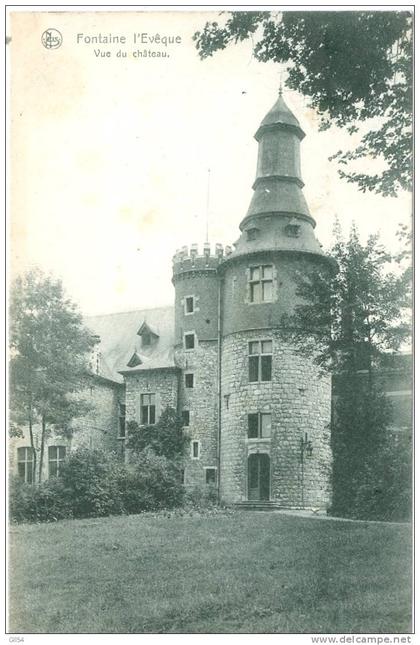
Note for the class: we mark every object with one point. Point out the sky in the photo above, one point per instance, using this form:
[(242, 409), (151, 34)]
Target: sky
[(110, 155)]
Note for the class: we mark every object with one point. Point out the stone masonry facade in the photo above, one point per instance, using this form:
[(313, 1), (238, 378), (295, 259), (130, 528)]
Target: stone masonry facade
[(298, 401)]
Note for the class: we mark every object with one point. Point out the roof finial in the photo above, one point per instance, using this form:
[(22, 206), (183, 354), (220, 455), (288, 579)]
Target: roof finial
[(281, 75)]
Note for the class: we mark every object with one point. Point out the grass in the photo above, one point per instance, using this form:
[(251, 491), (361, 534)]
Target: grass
[(246, 572)]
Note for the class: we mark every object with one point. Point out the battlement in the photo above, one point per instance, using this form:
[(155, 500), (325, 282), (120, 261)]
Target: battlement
[(194, 258)]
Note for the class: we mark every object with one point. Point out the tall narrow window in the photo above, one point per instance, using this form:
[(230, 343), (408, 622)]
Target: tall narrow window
[(56, 456), (185, 418), (189, 305), (189, 380), (25, 464), (195, 450), (148, 409), (260, 354), (121, 420), (261, 283), (259, 425)]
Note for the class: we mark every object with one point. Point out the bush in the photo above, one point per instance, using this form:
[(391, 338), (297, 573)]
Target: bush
[(199, 497), (166, 437), (45, 502), (384, 487), (89, 480), (151, 482)]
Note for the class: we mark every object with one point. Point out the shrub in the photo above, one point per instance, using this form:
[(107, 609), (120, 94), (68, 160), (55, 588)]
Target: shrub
[(166, 437), (89, 480), (45, 502), (150, 482), (200, 497)]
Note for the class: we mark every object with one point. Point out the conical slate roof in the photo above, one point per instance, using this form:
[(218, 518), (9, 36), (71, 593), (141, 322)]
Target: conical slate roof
[(280, 114)]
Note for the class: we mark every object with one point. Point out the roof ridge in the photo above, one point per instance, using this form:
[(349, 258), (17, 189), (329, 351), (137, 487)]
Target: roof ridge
[(131, 311)]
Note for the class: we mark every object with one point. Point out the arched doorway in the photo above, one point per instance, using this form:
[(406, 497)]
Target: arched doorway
[(259, 477)]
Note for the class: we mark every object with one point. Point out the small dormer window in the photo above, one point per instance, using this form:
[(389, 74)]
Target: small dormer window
[(293, 228), (147, 334), (134, 361), (252, 234)]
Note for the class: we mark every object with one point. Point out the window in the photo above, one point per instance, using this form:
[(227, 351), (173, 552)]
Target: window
[(260, 358), (261, 283), (252, 234), (25, 464), (148, 409), (182, 476), (56, 456), (121, 420), (189, 380), (189, 341), (227, 397), (292, 230), (195, 450), (185, 417), (210, 475), (146, 339), (259, 425), (189, 305)]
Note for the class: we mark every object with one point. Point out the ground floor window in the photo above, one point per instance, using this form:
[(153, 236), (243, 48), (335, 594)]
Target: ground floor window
[(26, 464), (210, 475), (121, 420), (56, 456)]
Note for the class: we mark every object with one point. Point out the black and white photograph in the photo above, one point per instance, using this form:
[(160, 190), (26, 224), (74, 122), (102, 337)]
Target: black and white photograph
[(209, 295)]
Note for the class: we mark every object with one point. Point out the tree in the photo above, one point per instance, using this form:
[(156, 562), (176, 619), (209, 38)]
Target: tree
[(351, 322), (48, 367), (353, 66)]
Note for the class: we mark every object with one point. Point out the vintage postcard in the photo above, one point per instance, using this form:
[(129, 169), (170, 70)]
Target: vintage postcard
[(209, 262)]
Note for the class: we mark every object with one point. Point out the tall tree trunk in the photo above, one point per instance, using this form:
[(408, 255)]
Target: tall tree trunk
[(31, 436), (41, 456)]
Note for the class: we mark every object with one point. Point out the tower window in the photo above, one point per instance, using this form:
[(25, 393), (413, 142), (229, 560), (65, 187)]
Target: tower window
[(189, 305), (292, 229), (195, 450), (185, 415), (252, 234), (189, 380), (148, 409), (189, 340), (260, 360), (259, 425), (121, 421), (25, 457), (210, 475), (56, 456), (261, 283)]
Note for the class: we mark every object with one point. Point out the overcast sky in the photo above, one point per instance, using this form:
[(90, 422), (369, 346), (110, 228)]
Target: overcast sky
[(111, 155)]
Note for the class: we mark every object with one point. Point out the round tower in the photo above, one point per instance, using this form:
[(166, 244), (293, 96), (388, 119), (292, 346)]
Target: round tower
[(197, 324), (275, 407)]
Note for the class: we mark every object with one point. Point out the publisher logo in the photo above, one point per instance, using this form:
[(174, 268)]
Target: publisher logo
[(51, 39)]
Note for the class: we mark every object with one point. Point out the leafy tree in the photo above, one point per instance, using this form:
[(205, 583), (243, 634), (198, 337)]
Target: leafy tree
[(166, 438), (353, 66), (48, 366), (351, 322)]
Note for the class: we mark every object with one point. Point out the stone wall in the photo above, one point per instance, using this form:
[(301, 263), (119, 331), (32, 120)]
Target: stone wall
[(201, 401), (163, 383), (299, 401), (98, 429)]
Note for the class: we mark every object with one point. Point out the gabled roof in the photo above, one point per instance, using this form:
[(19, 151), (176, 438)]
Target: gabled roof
[(119, 340)]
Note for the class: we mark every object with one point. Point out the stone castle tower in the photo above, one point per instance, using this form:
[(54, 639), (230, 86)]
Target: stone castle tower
[(261, 412)]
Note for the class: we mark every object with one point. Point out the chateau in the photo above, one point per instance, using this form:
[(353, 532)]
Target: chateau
[(256, 413)]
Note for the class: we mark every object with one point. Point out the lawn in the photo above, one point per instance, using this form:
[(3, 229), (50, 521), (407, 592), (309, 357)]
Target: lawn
[(252, 572)]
